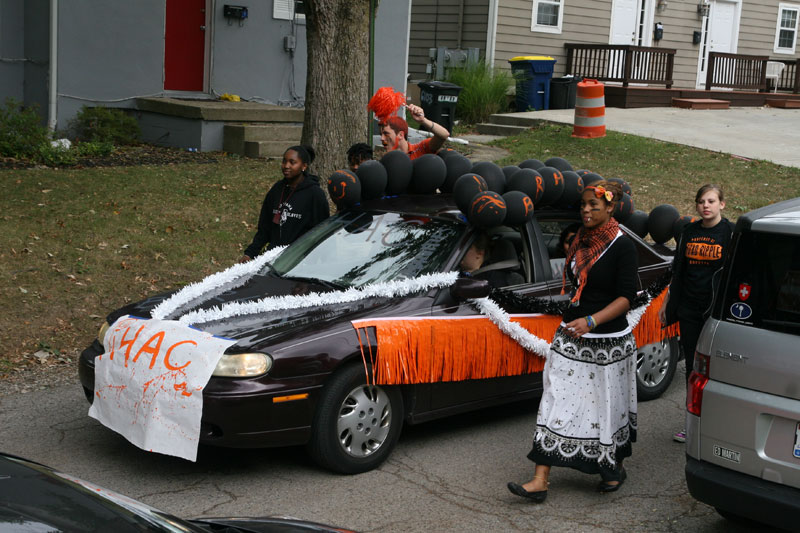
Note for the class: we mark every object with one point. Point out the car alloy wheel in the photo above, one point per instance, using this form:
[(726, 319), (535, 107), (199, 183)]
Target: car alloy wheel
[(655, 368), (356, 425), (364, 420)]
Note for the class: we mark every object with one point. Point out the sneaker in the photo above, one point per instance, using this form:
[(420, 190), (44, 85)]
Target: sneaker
[(680, 436)]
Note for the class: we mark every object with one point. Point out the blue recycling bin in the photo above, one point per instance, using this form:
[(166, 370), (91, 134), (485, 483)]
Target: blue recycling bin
[(532, 75)]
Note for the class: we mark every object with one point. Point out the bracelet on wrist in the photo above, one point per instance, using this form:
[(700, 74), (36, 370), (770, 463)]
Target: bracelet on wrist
[(590, 322)]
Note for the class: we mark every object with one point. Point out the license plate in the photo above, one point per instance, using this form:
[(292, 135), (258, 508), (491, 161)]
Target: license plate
[(448, 98), (796, 451), (725, 453)]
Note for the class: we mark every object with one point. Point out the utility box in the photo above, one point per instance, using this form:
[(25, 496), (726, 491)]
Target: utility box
[(532, 75), (438, 100)]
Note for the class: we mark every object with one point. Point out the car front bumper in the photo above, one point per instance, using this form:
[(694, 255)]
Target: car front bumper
[(743, 495), (242, 413)]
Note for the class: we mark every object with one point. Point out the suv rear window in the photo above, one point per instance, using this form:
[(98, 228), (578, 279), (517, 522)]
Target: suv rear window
[(763, 285)]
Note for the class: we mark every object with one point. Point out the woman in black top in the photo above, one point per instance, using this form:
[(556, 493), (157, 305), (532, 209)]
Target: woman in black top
[(699, 256), (292, 206), (587, 414)]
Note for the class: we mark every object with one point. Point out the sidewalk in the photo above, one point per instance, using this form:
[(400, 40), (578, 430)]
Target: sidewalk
[(767, 133)]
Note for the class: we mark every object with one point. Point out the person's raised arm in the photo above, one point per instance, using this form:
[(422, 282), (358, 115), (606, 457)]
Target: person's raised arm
[(440, 133)]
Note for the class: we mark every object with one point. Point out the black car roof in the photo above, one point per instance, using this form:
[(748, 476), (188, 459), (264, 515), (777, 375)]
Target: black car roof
[(430, 205)]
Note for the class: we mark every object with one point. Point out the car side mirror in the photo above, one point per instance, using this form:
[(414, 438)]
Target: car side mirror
[(466, 288)]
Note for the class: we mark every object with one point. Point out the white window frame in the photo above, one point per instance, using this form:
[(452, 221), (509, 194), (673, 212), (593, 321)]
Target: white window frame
[(781, 8), (284, 10), (546, 28)]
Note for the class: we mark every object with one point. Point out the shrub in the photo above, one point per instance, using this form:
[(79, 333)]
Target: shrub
[(55, 156), (94, 148), (21, 130), (484, 91), (105, 125)]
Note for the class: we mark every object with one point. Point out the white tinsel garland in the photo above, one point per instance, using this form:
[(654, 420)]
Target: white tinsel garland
[(389, 289), (230, 278), (528, 340), (522, 336)]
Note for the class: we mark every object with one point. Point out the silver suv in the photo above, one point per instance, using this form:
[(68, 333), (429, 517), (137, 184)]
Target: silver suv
[(743, 402)]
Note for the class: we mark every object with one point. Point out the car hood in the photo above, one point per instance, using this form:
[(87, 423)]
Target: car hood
[(254, 331)]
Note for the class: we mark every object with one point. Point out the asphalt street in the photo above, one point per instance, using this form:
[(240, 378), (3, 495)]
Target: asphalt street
[(447, 475)]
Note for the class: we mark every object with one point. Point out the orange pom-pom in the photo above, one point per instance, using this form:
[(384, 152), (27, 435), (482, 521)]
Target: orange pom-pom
[(385, 103)]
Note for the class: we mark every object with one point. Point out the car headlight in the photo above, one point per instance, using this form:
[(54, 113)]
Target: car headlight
[(101, 335), (243, 365)]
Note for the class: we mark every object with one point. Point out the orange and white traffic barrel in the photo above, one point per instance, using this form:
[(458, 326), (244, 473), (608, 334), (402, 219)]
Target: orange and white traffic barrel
[(590, 110)]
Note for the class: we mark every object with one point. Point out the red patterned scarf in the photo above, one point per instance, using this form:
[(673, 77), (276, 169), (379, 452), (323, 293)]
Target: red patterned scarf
[(586, 249)]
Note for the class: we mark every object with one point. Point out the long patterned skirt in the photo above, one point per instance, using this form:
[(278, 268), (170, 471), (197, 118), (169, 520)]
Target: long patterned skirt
[(587, 415)]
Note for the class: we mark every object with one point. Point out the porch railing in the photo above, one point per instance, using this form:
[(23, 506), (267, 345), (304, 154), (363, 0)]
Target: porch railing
[(790, 77), (621, 63), (736, 71)]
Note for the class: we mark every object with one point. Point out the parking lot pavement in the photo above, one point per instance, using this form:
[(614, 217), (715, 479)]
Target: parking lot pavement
[(767, 133)]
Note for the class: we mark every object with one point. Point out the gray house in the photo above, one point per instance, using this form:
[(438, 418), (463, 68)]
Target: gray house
[(690, 30), (64, 54)]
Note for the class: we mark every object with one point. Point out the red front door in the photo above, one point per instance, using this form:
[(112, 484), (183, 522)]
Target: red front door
[(184, 45)]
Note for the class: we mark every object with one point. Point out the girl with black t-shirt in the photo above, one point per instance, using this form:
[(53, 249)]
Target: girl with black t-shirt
[(698, 257), (292, 206), (587, 414)]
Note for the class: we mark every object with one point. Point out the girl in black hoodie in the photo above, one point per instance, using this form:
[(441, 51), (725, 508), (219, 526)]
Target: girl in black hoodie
[(292, 206)]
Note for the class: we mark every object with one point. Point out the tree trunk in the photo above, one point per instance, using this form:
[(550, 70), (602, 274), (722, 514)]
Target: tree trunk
[(338, 80)]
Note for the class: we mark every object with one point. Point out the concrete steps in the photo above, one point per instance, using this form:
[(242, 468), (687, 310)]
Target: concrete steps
[(246, 128), (507, 124), (261, 139)]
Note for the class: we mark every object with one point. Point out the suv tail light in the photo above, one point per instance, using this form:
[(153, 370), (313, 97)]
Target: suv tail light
[(697, 382)]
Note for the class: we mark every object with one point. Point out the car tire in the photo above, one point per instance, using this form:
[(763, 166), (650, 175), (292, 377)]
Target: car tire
[(356, 425), (655, 368)]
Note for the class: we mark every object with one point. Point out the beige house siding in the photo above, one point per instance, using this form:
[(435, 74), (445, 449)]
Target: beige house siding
[(435, 23), (588, 21)]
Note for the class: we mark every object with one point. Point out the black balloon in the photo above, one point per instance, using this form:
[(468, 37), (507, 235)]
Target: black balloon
[(493, 175), (457, 165), (398, 171), (626, 188), (589, 178), (344, 188), (679, 224), (553, 185), (623, 209), (519, 208), (535, 164), (373, 179), (444, 153), (487, 209), (558, 162), (582, 172), (509, 171), (429, 173), (528, 181), (660, 222), (573, 188), (465, 189), (637, 223)]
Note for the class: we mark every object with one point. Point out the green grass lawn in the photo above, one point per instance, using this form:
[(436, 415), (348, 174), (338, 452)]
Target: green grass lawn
[(78, 243)]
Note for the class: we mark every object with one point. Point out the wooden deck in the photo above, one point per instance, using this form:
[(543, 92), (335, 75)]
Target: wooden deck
[(630, 97)]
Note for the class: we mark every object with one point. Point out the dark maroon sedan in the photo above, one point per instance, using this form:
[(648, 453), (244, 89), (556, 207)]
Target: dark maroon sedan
[(298, 374)]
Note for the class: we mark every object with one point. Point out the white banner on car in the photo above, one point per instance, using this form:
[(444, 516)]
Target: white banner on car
[(149, 383)]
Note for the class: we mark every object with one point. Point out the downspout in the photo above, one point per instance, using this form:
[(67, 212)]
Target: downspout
[(52, 118), (491, 32), (460, 23)]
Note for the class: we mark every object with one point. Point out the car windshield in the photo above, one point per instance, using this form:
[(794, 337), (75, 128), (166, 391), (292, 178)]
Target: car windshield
[(356, 248)]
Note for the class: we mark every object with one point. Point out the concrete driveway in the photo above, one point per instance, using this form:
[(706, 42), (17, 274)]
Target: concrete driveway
[(767, 133)]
